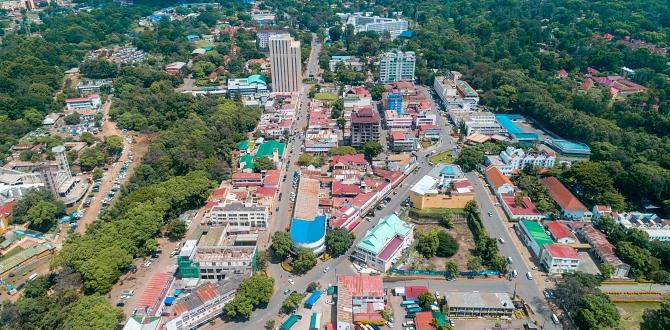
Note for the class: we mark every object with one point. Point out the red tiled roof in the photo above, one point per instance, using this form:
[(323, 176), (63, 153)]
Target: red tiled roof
[(425, 127), (361, 199), (559, 230), (271, 177), (391, 247), (395, 135), (413, 292), (368, 317), (6, 208), (563, 197), (361, 285), (353, 224), (245, 176), (219, 193), (496, 178), (357, 159), (206, 292), (360, 90), (152, 292), (424, 321), (561, 251), (266, 191), (340, 188), (365, 115), (528, 208)]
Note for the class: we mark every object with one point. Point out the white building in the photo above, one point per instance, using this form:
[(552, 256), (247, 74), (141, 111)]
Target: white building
[(286, 63), (559, 259), (348, 62), (518, 158), (363, 23), (239, 214), (203, 304), (396, 66), (92, 86), (263, 36), (81, 103), (483, 123), (455, 93), (384, 243)]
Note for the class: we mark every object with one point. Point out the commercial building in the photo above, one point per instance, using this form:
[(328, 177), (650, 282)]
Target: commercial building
[(359, 300), (443, 187), (206, 302), (239, 214), (218, 253), (254, 86), (365, 126), (559, 259), (455, 93), (242, 179), (308, 226), (398, 121), (478, 304), (560, 233), (396, 66), (350, 63), (286, 64), (151, 299), (571, 207), (263, 37), (569, 148), (515, 159), (532, 234), (382, 245), (403, 142), (83, 103), (602, 248), (363, 23), (483, 123), (85, 87), (511, 125)]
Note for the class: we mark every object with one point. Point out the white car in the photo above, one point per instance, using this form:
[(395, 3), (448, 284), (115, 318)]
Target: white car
[(325, 270), (501, 240), (290, 280)]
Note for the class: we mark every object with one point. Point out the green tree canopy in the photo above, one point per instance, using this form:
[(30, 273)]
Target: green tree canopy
[(281, 244), (338, 241), (304, 260)]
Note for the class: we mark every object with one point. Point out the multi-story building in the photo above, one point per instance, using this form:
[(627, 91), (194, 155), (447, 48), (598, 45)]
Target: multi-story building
[(483, 123), (377, 24), (518, 158), (602, 248), (559, 259), (263, 36), (254, 86), (286, 64), (90, 102), (455, 93), (384, 243), (242, 179), (571, 207), (364, 126), (396, 66), (394, 120), (347, 62), (239, 214), (203, 304), (394, 101), (403, 142), (92, 86), (359, 300)]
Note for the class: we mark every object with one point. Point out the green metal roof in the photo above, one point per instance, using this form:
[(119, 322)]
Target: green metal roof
[(377, 237), (439, 317), (248, 161), (537, 231), (243, 145), (267, 147), (19, 258), (256, 78)]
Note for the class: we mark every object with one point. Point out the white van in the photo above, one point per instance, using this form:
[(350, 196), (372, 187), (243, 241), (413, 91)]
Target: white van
[(555, 319)]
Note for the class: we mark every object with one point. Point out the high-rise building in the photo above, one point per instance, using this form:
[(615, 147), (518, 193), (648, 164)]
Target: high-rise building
[(364, 126), (286, 65), (396, 66)]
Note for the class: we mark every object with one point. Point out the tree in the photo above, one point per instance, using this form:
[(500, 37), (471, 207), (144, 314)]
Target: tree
[(305, 160), (641, 261), (338, 241), (252, 292), (113, 145), (291, 302), (447, 220), (427, 243), (597, 312), (87, 137), (311, 287), (281, 244), (97, 173), (262, 260), (452, 268), (93, 312), (90, 158), (270, 324), (98, 69), (371, 149), (42, 215), (448, 246), (425, 300), (304, 260), (176, 229), (657, 319), (606, 270), (474, 264), (263, 164), (72, 119)]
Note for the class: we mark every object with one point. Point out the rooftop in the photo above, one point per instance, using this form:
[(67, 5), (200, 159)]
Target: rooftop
[(361, 285), (563, 251), (563, 197), (307, 201), (559, 230), (266, 149), (382, 234), (537, 232), (496, 178), (526, 208), (478, 300)]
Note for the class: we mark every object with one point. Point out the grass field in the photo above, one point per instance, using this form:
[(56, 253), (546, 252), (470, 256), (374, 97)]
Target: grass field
[(325, 96), (631, 313), (442, 158)]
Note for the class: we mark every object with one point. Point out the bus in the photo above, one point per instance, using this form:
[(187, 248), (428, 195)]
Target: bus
[(412, 306), (32, 277), (414, 310), (405, 303)]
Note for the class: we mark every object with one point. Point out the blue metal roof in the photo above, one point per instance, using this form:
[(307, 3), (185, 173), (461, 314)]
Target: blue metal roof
[(308, 231), (256, 78), (507, 122)]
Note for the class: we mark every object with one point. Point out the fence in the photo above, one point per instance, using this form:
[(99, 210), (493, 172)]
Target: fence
[(442, 273)]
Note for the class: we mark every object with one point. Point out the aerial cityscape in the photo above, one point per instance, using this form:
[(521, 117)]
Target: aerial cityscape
[(337, 165)]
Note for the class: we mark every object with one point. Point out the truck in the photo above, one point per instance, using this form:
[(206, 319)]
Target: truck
[(290, 322), (309, 303)]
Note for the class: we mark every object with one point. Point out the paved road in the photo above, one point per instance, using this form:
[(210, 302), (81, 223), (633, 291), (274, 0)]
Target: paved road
[(498, 226)]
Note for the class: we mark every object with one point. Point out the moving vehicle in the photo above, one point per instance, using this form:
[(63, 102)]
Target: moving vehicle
[(529, 276), (554, 318), (325, 270), (501, 240), (509, 260), (515, 273)]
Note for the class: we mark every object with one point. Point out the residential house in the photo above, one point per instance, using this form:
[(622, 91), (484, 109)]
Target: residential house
[(571, 207)]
